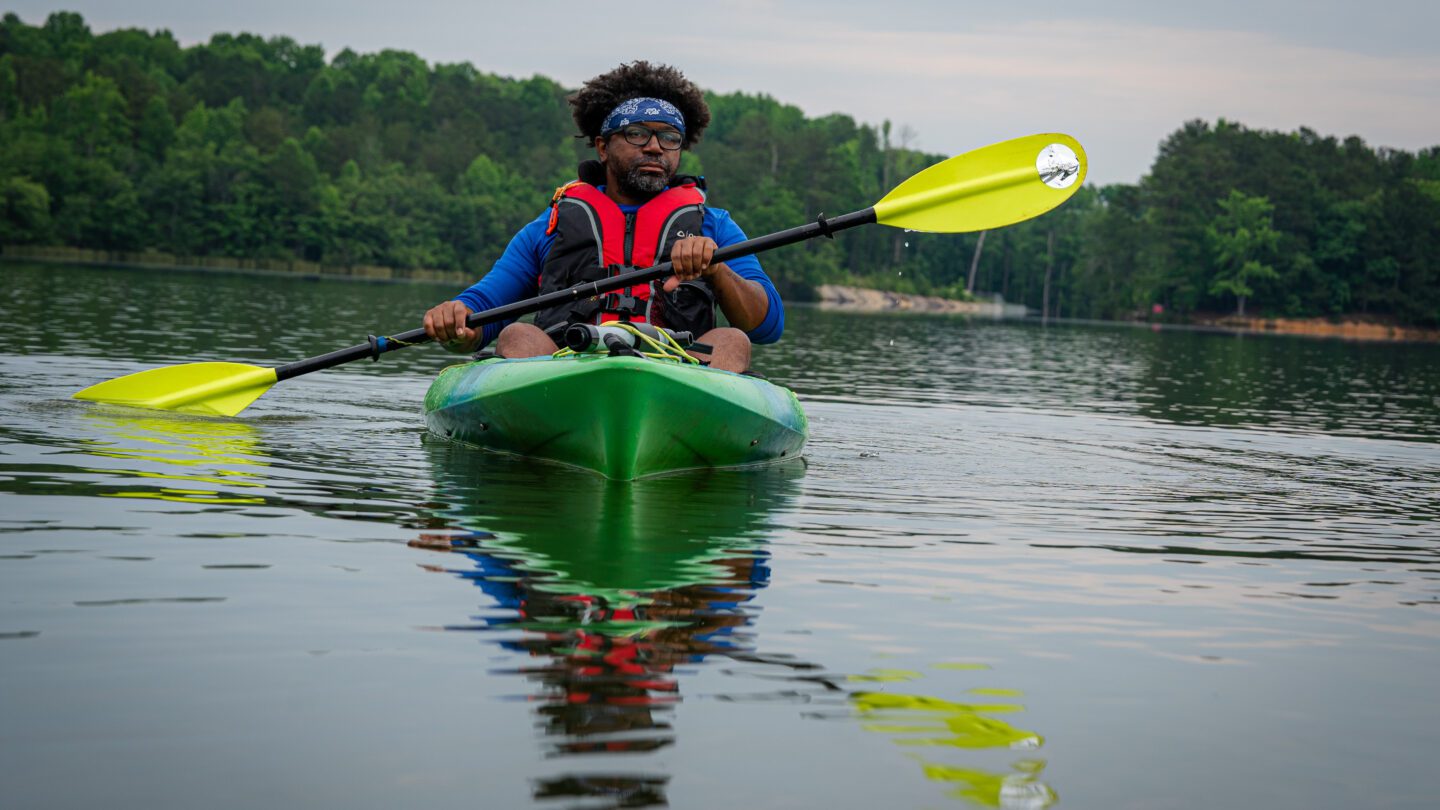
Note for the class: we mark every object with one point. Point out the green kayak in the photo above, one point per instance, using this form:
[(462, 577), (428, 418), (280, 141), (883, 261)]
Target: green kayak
[(623, 417)]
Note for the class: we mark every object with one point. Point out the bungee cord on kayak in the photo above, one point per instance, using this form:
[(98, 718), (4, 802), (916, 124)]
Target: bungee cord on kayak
[(666, 348)]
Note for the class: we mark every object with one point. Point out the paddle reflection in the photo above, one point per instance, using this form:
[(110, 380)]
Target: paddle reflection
[(609, 587), (175, 457), (924, 721), (926, 725)]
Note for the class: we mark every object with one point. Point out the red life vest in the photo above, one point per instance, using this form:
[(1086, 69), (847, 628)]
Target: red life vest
[(595, 239)]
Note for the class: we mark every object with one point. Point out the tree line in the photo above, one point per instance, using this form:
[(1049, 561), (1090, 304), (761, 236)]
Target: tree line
[(261, 148)]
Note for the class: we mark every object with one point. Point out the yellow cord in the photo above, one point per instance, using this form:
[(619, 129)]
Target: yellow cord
[(668, 350)]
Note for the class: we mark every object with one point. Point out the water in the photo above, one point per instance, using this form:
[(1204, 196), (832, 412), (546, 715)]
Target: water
[(1079, 566)]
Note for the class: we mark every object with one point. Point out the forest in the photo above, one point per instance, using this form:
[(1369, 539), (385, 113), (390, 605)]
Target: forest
[(265, 148)]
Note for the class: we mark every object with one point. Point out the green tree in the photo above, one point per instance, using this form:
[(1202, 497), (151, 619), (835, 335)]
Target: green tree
[(24, 211), (491, 202), (248, 146), (1242, 241), (91, 117)]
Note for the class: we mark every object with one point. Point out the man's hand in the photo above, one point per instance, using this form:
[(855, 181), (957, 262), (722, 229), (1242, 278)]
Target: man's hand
[(743, 301), (445, 324), (691, 259)]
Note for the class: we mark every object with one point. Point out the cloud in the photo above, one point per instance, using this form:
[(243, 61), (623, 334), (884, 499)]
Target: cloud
[(1120, 87), (961, 75)]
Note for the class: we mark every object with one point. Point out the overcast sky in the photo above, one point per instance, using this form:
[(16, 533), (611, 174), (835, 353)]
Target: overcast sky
[(1119, 75)]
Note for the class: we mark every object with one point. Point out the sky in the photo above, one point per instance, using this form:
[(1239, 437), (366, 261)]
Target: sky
[(1119, 75)]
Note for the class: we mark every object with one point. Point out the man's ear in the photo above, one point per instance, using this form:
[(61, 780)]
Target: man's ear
[(592, 172), (600, 148)]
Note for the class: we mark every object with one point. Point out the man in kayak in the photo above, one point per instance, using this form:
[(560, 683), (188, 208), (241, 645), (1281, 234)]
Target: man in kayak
[(629, 211)]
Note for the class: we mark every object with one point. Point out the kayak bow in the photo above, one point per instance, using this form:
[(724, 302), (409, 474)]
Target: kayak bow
[(623, 417)]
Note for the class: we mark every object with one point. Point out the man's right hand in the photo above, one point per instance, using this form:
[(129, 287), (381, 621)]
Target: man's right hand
[(445, 324)]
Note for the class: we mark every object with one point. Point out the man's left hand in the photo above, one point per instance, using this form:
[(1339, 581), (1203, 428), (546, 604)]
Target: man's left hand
[(690, 257)]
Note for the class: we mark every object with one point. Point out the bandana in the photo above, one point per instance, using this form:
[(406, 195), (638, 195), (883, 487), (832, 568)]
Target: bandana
[(643, 110)]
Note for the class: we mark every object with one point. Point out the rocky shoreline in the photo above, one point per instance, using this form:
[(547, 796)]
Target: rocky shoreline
[(1346, 328), (861, 299)]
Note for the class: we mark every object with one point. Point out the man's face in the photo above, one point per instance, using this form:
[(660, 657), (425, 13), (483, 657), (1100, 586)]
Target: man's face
[(638, 172)]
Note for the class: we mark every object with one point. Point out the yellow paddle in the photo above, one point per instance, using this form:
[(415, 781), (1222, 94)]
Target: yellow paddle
[(991, 187)]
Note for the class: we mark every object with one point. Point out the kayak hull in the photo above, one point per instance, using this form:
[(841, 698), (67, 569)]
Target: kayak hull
[(623, 417)]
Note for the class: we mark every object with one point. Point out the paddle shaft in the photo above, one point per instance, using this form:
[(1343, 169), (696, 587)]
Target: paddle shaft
[(378, 346)]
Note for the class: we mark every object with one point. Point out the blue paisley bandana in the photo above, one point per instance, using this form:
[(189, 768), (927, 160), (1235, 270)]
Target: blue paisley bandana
[(641, 110)]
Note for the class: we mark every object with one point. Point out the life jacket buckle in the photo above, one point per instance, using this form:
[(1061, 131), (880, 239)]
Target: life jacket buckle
[(623, 304)]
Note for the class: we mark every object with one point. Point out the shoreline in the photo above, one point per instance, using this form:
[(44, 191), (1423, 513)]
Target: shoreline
[(1346, 327), (828, 296), (863, 299), (291, 268)]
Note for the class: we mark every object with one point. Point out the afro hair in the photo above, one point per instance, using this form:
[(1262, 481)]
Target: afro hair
[(604, 93)]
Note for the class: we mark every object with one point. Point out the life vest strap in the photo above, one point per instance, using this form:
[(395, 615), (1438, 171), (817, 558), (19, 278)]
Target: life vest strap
[(555, 205)]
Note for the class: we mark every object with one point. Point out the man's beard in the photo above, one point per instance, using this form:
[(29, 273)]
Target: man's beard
[(636, 183)]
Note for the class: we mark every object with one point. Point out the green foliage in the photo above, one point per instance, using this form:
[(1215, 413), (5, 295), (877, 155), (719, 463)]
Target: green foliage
[(24, 211), (1242, 242), (1308, 225), (253, 147), (91, 117)]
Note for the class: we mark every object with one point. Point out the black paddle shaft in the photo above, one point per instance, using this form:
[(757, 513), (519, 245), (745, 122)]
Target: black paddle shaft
[(377, 346)]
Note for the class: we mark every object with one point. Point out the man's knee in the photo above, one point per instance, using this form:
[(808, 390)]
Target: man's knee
[(726, 336), (731, 348), (523, 340)]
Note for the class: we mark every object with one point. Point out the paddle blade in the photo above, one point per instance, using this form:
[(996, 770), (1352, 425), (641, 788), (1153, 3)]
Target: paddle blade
[(992, 187), (210, 389)]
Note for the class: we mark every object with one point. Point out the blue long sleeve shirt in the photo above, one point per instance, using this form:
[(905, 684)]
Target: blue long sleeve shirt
[(516, 275)]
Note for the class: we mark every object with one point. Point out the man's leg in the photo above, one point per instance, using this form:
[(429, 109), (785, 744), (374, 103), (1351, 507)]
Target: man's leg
[(525, 340), (732, 349)]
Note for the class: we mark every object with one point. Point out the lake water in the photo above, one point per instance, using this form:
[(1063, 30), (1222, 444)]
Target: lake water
[(1083, 566)]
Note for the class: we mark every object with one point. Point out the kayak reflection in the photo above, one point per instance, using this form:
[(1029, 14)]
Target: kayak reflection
[(609, 586)]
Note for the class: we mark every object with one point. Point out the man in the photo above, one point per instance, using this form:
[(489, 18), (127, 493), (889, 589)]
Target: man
[(638, 213)]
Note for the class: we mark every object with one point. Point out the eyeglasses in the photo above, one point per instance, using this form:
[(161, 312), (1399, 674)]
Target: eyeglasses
[(636, 135)]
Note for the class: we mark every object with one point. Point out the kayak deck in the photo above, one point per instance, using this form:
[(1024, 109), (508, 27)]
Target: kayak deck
[(623, 417)]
